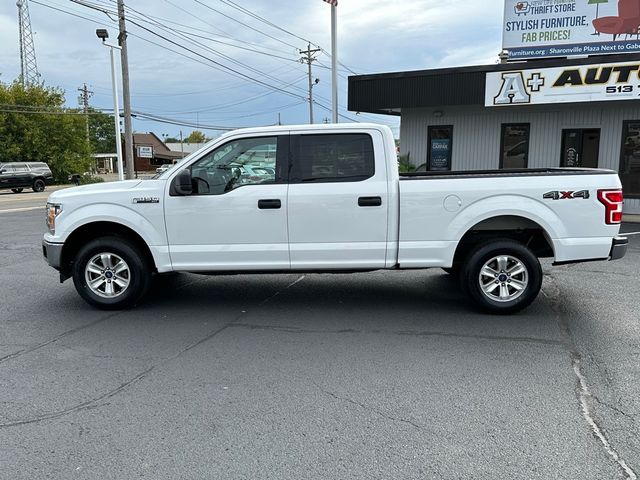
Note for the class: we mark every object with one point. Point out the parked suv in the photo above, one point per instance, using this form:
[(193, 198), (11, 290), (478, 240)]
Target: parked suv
[(20, 175)]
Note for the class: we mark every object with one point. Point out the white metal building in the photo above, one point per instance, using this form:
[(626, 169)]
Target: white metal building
[(451, 120)]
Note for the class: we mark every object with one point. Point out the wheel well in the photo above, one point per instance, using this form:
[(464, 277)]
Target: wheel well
[(84, 234), (516, 228)]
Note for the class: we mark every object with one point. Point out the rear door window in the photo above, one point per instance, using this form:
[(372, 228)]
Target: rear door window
[(329, 158)]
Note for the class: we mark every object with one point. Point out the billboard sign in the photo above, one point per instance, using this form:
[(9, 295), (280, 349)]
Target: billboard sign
[(565, 28), (569, 84)]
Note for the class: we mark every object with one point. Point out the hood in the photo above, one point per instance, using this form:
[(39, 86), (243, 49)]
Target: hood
[(94, 188)]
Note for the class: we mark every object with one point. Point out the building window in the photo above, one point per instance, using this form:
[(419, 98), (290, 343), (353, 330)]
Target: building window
[(630, 159), (514, 147), (440, 148)]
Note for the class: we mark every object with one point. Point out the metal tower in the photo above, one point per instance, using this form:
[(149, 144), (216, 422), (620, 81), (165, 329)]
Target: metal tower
[(29, 69)]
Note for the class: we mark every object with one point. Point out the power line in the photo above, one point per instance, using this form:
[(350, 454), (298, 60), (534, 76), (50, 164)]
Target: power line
[(267, 22), (174, 31), (94, 20), (215, 52), (225, 67), (243, 24), (190, 27), (220, 65)]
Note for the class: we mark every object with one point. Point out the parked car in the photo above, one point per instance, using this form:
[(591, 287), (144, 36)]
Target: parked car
[(20, 175), (337, 204)]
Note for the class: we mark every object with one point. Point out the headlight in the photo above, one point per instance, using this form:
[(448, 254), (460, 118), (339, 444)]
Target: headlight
[(53, 210)]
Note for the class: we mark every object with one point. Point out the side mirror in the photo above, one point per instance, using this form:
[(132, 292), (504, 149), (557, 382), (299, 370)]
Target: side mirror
[(182, 183)]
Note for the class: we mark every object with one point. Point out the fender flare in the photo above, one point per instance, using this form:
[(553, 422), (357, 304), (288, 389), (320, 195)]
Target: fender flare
[(494, 207)]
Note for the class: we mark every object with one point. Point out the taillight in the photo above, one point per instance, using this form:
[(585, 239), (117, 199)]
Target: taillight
[(612, 201)]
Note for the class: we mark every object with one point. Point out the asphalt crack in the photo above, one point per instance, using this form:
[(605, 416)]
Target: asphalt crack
[(95, 402), (82, 406), (38, 346), (367, 408), (583, 393)]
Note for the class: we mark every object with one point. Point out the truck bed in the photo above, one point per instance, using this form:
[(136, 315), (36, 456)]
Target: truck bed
[(520, 172)]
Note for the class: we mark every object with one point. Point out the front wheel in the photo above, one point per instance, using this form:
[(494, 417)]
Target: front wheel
[(110, 273), (38, 185), (502, 276), (17, 190)]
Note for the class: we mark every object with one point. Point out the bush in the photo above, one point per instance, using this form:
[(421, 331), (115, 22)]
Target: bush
[(85, 179), (404, 164)]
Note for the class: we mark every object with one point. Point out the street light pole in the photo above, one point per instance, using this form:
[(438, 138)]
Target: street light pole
[(116, 113), (103, 35), (334, 61)]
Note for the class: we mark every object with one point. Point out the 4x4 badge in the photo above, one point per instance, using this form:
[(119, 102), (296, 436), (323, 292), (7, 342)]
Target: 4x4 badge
[(146, 200), (558, 195)]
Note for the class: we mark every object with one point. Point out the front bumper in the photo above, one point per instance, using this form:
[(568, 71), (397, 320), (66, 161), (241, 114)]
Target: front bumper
[(618, 248), (52, 253)]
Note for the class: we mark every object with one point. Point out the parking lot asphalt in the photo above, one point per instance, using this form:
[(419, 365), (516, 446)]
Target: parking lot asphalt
[(378, 375), (26, 201)]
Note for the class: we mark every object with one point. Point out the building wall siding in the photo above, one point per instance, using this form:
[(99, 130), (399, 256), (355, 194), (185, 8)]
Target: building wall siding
[(477, 130)]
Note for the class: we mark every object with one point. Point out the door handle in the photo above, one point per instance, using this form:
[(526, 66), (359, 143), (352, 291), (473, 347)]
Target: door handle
[(269, 204), (369, 201)]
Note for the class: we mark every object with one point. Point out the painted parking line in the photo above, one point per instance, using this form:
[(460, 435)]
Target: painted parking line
[(24, 209)]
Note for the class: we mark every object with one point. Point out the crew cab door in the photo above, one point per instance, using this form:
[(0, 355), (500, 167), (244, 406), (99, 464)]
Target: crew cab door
[(338, 201), (236, 218)]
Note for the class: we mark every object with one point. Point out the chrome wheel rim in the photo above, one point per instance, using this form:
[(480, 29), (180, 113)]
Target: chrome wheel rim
[(107, 275), (503, 278)]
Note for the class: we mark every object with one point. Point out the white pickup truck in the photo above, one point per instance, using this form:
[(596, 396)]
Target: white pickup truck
[(330, 199)]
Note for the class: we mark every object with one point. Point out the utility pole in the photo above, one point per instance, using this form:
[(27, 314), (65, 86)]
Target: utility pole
[(181, 144), (309, 59), (85, 95), (126, 95)]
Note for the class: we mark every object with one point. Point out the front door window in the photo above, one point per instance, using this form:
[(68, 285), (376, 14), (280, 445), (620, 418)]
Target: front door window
[(248, 161)]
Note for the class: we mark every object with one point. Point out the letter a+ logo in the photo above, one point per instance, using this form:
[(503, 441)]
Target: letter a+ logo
[(513, 90)]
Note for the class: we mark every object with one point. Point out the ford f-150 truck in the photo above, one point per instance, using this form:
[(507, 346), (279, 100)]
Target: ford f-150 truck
[(330, 199)]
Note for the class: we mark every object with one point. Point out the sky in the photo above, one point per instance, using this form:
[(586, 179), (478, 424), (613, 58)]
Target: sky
[(197, 88)]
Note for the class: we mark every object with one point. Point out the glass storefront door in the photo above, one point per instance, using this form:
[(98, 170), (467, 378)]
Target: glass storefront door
[(580, 148), (630, 159)]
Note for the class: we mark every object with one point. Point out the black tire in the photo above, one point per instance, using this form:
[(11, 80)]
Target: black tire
[(17, 190), (138, 277), (38, 185), (521, 297)]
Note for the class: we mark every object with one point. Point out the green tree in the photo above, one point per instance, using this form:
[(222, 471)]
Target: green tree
[(102, 134), (171, 140), (34, 126), (196, 137)]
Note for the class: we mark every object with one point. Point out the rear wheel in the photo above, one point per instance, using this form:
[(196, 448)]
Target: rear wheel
[(502, 276), (17, 190), (38, 185), (110, 273)]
